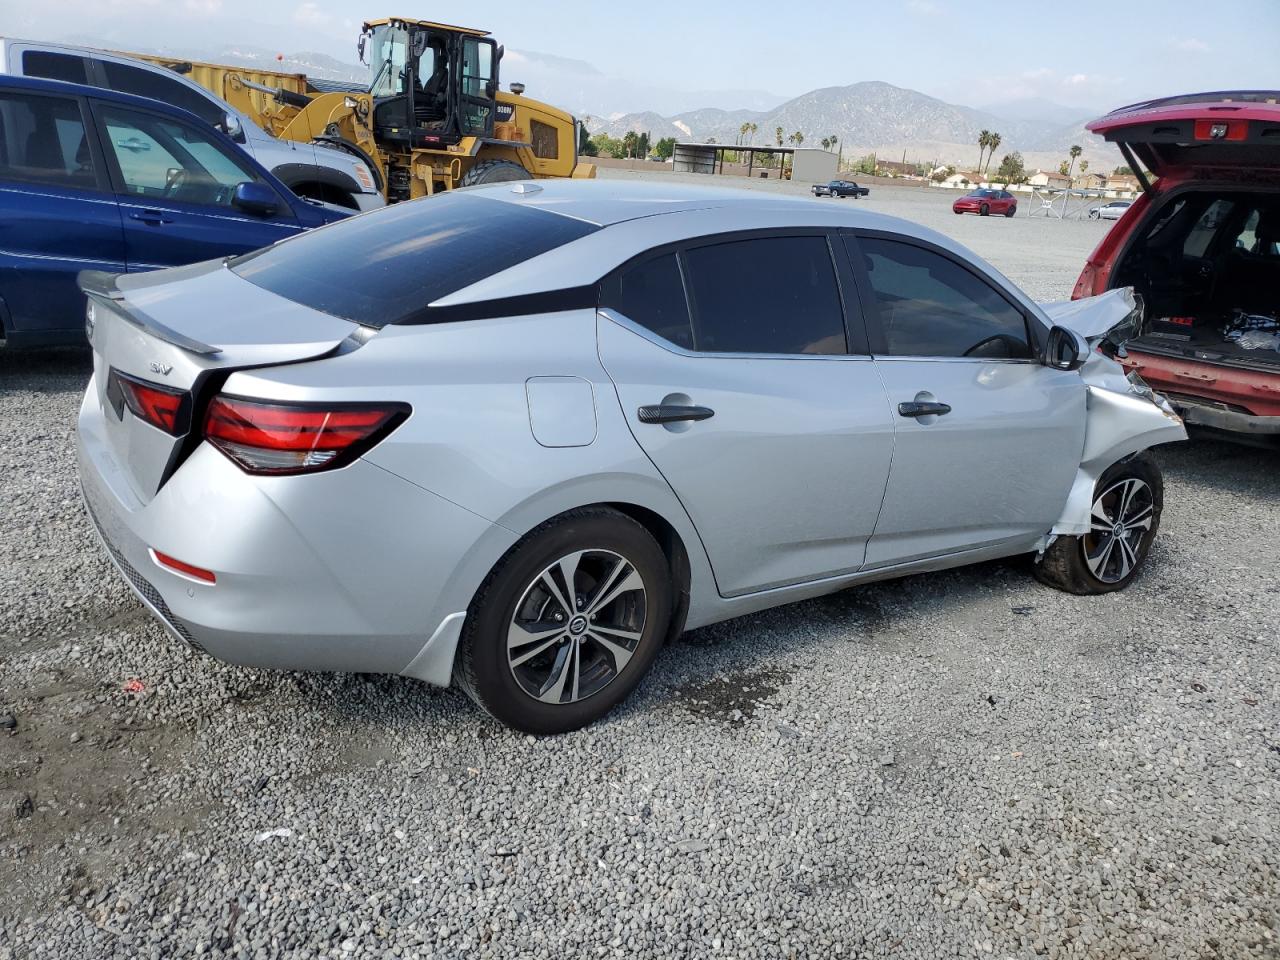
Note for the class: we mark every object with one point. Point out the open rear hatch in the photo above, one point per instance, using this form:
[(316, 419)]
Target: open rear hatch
[(1220, 135), (164, 342)]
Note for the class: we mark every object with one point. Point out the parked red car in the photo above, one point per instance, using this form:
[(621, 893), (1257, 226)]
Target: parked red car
[(986, 201), (1201, 245)]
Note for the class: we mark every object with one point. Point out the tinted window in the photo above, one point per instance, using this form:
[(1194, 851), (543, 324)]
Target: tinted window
[(652, 294), (168, 159), (770, 295), (54, 66), (386, 266), (153, 84), (1197, 241), (42, 140), (932, 307)]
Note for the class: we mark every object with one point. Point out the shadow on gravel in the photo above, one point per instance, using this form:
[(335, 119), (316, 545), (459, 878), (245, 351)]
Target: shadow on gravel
[(54, 370), (1219, 465)]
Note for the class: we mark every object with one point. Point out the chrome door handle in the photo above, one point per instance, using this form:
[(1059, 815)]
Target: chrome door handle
[(920, 408), (673, 413)]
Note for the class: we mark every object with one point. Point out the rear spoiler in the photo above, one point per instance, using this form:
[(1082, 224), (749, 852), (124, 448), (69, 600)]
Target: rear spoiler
[(101, 287)]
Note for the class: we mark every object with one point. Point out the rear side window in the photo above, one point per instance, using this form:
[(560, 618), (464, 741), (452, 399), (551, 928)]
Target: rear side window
[(42, 140), (54, 66), (651, 293), (149, 83), (389, 265), (766, 295), (931, 306), (1202, 234)]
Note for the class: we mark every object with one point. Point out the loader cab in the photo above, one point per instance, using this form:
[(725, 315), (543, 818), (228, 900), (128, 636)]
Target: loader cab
[(432, 84)]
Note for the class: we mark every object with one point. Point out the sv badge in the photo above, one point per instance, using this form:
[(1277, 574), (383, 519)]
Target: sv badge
[(155, 366)]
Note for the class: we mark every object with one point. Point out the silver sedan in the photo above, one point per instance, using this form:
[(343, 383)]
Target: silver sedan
[(519, 436)]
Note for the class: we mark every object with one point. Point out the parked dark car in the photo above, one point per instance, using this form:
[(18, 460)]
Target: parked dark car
[(985, 201), (1201, 245), (96, 180), (840, 188)]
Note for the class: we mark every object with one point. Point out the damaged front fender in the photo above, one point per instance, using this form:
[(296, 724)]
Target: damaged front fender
[(1123, 415)]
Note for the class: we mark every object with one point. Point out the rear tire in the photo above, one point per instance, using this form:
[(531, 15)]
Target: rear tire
[(984, 210), (494, 171), (544, 669), (1129, 496), (1011, 211)]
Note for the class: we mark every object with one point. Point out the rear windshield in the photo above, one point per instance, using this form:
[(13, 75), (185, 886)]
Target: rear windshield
[(387, 266)]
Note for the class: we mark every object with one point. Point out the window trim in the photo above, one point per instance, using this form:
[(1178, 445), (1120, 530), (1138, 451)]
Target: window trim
[(101, 173), (1036, 335), (856, 341), (238, 157)]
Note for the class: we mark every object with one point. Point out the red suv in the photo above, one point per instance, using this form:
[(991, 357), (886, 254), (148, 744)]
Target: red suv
[(1201, 245), (985, 201)]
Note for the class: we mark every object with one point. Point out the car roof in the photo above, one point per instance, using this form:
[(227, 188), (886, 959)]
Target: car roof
[(606, 202)]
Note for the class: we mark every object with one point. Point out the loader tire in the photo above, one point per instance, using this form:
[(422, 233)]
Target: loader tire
[(494, 171)]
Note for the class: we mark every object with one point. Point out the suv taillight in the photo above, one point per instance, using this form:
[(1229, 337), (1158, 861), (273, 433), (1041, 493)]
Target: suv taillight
[(283, 438)]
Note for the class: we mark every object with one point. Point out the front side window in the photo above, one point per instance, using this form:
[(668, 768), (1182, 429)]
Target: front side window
[(42, 140), (766, 295), (170, 90), (168, 159), (930, 306)]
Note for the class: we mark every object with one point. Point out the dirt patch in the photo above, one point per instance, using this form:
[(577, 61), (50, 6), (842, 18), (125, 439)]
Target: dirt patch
[(734, 698)]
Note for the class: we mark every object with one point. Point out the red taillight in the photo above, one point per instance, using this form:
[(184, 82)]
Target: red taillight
[(187, 569), (280, 438), (162, 407)]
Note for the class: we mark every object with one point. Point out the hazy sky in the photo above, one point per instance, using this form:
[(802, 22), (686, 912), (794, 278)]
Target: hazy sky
[(972, 52)]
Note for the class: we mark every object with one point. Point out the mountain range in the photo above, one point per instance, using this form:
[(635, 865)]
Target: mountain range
[(873, 116)]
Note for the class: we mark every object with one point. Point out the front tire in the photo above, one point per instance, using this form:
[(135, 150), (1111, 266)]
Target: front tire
[(1127, 504), (494, 171), (984, 210), (568, 622)]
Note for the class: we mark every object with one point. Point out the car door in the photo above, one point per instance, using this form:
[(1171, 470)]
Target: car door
[(176, 183), (737, 377), (988, 438), (57, 213)]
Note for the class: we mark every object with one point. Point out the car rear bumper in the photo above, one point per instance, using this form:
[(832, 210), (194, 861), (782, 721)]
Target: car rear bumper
[(1214, 395), (1201, 413), (347, 570)]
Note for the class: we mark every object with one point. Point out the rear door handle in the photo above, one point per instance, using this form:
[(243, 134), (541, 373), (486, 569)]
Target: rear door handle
[(673, 413), (922, 408), (153, 217)]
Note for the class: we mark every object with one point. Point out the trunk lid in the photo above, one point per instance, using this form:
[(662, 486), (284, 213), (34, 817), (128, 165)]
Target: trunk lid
[(182, 331), (1229, 132)]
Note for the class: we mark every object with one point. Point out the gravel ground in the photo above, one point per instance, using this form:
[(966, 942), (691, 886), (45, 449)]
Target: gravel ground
[(964, 764)]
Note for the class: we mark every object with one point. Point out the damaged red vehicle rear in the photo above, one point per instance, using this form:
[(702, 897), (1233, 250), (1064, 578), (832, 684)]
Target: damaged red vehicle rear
[(1201, 246)]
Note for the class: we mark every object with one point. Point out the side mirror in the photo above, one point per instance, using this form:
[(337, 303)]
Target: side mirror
[(232, 127), (255, 198), (360, 47), (1065, 350), (418, 45)]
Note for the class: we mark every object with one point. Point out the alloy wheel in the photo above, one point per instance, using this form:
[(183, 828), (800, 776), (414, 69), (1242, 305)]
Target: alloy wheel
[(1121, 522), (576, 626)]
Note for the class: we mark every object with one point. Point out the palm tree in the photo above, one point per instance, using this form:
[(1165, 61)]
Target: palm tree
[(753, 132), (1075, 151), (984, 139), (993, 141), (778, 133), (742, 131)]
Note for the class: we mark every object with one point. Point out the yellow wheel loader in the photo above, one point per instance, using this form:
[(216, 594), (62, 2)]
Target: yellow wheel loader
[(431, 119)]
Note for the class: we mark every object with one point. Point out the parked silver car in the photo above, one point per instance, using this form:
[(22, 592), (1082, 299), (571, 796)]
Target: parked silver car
[(522, 434), (1110, 211)]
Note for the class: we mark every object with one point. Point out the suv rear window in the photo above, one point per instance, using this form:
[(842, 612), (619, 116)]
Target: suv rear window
[(386, 266)]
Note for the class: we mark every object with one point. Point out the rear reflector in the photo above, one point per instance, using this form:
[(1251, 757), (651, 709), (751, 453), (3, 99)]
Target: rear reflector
[(199, 573), (284, 438), (163, 407)]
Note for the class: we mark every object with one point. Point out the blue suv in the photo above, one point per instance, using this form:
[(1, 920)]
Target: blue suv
[(96, 180)]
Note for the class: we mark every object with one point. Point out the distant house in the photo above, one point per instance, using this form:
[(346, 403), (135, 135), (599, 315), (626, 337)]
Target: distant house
[(1090, 181), (963, 179), (893, 168), (1049, 179), (1121, 185)]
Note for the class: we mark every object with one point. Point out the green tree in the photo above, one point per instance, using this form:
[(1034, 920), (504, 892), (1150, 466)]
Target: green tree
[(1075, 151), (797, 138), (754, 128), (743, 131), (1123, 171), (939, 175), (1084, 167), (993, 141), (642, 144), (630, 142), (665, 147), (1062, 168), (777, 133), (607, 146), (1012, 169), (984, 141)]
